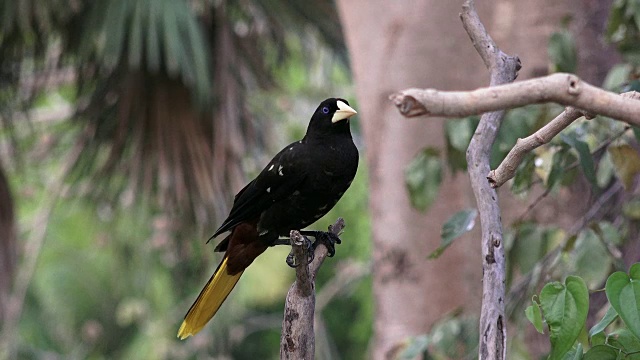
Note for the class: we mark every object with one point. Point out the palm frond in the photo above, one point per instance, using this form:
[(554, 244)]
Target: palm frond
[(164, 86)]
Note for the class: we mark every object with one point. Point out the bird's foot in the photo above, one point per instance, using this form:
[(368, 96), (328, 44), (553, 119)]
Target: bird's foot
[(292, 261), (329, 240)]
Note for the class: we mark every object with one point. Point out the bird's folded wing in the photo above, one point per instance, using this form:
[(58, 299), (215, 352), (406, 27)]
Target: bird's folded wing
[(277, 181)]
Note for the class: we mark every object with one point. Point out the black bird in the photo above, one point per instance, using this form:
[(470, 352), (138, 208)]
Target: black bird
[(298, 186)]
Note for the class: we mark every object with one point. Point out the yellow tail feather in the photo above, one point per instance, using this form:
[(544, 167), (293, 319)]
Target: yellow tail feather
[(209, 301)]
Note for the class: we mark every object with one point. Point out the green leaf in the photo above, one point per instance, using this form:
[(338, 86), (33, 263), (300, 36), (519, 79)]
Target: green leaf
[(524, 176), (586, 159), (458, 224), (460, 131), (154, 32), (423, 177), (622, 339), (414, 347), (610, 316), (575, 353), (609, 233), (172, 43), (565, 308), (517, 123), (454, 337), (559, 163), (138, 22), (623, 292), (626, 163), (617, 76), (601, 352), (458, 135), (562, 52), (631, 209), (616, 19), (534, 315), (115, 28), (598, 339), (636, 132), (532, 241), (605, 170), (591, 258)]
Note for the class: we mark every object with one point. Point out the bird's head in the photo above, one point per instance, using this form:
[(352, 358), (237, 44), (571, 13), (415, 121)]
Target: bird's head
[(331, 116)]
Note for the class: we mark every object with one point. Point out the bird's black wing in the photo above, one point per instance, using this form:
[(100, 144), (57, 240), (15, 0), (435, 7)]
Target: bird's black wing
[(277, 181)]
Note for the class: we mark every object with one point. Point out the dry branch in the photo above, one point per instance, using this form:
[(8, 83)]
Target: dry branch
[(561, 88), (503, 69), (298, 339), (507, 168)]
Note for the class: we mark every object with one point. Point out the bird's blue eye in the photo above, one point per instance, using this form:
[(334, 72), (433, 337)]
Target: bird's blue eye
[(325, 110)]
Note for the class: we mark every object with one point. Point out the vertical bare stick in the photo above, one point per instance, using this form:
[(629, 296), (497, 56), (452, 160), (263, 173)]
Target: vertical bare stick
[(503, 69), (297, 341)]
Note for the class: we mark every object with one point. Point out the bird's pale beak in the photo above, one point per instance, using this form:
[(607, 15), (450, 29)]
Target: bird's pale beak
[(344, 112)]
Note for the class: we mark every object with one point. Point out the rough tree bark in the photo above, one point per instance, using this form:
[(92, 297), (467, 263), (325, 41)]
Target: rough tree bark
[(8, 251), (503, 69)]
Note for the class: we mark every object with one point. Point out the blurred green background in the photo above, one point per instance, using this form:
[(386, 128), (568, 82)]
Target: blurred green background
[(111, 206)]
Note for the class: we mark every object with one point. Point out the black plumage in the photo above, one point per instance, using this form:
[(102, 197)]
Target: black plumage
[(298, 186)]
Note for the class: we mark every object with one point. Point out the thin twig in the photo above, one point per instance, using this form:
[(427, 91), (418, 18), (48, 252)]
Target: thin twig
[(572, 166), (508, 166)]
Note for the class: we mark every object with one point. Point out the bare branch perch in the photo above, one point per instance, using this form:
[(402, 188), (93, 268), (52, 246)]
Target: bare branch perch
[(298, 339), (507, 168), (561, 88)]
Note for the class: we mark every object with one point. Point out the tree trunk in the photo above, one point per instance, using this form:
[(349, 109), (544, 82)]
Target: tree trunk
[(8, 251), (393, 46)]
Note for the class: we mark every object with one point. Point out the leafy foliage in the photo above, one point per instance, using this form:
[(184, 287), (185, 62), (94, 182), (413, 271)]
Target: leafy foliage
[(623, 292), (458, 224), (565, 309), (562, 52), (602, 156), (624, 28), (161, 87), (565, 306), (454, 337)]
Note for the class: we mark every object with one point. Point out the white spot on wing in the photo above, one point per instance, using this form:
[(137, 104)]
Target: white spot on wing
[(280, 170), (263, 232), (324, 207), (291, 148), (270, 167), (268, 189), (317, 216)]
